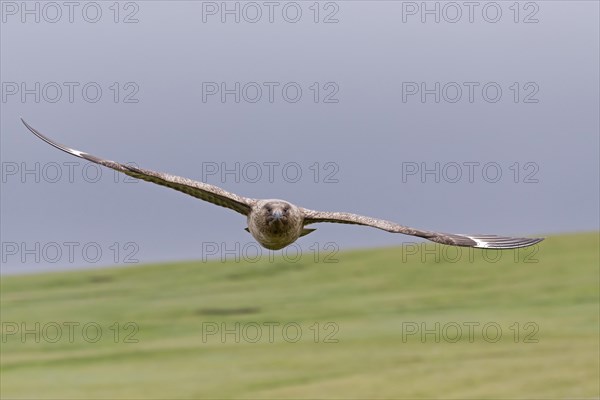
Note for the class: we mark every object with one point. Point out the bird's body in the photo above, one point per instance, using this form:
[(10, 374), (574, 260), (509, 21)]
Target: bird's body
[(276, 224)]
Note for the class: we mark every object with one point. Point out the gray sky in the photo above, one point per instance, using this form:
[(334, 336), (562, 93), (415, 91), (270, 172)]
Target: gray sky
[(366, 121)]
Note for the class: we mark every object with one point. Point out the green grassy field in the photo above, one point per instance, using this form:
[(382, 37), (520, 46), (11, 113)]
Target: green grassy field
[(351, 329)]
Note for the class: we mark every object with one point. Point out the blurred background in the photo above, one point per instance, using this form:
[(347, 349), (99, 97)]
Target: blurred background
[(483, 122)]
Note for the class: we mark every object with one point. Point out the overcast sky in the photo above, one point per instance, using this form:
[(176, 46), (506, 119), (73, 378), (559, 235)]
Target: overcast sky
[(484, 122)]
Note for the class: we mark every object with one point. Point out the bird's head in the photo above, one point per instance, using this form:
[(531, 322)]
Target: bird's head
[(276, 212)]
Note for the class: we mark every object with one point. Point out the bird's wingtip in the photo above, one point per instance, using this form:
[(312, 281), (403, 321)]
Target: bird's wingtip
[(502, 242), (34, 131), (26, 124)]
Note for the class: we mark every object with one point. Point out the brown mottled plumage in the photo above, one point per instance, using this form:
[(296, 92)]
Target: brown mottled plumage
[(276, 224)]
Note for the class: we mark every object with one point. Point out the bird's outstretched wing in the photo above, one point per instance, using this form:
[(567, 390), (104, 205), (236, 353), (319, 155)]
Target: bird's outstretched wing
[(480, 241), (200, 190)]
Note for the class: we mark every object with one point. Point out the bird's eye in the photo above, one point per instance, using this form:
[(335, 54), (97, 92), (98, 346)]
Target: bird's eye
[(286, 208), (268, 208)]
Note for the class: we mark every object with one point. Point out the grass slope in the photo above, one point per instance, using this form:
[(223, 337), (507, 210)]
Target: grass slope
[(371, 300)]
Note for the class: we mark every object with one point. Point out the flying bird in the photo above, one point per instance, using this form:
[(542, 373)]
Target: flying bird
[(275, 223)]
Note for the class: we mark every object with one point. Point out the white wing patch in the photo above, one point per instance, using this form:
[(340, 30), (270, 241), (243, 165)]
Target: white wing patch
[(77, 152), (480, 243)]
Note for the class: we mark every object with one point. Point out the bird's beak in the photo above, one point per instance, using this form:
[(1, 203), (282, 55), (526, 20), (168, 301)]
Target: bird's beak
[(277, 214)]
